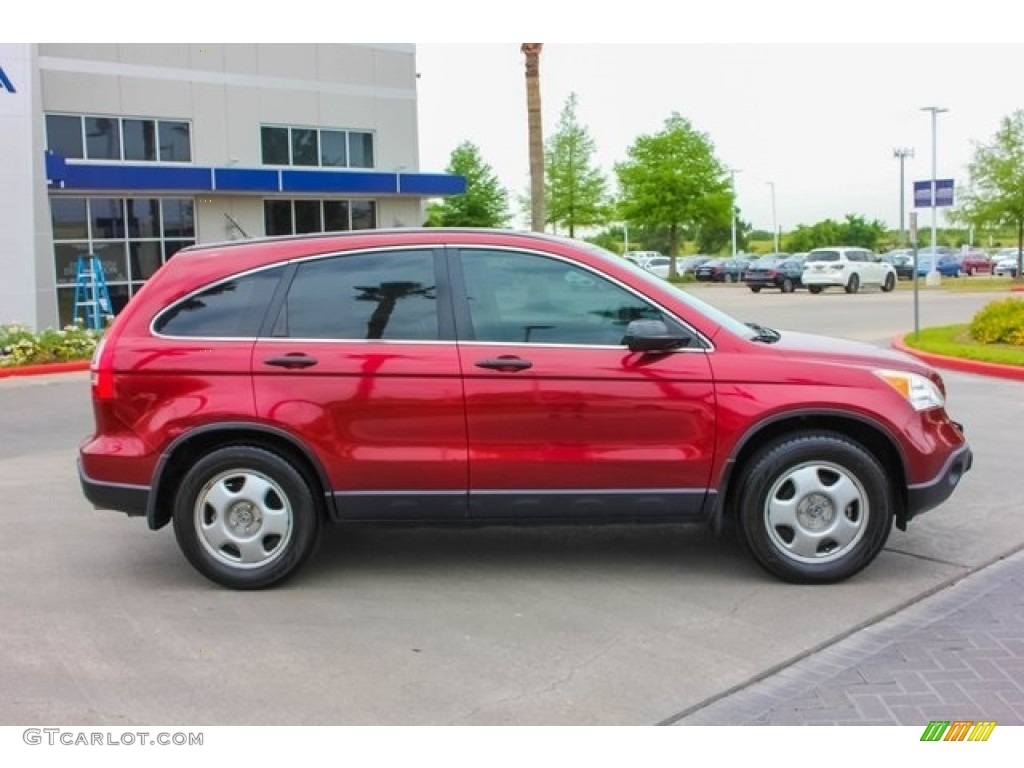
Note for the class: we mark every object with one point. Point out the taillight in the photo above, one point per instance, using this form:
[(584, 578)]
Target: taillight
[(102, 370)]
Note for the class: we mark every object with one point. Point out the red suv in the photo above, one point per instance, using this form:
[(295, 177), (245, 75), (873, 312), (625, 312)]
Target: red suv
[(253, 392)]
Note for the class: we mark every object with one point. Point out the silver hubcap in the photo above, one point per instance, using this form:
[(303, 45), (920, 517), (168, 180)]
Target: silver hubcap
[(243, 519), (816, 512)]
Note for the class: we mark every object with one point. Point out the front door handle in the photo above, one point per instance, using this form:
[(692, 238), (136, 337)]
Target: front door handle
[(505, 363), (292, 360)]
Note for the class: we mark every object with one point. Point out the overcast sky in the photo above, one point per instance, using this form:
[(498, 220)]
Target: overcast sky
[(821, 121)]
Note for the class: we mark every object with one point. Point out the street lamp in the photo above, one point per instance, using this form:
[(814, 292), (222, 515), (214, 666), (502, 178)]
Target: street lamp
[(935, 113), (775, 224), (902, 154), (732, 176)]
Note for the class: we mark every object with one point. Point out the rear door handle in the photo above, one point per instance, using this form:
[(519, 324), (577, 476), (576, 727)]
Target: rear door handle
[(292, 360), (508, 363)]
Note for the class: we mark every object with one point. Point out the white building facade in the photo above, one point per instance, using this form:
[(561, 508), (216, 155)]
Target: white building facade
[(131, 152)]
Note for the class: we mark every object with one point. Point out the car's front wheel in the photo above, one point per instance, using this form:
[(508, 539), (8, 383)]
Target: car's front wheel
[(245, 518), (787, 285), (814, 507), (890, 282), (854, 284)]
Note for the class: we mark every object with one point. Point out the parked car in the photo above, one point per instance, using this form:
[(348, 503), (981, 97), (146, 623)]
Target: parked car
[(783, 274), (256, 391), (1006, 266), (947, 266), (975, 262), (902, 263), (721, 270), (641, 258), (847, 268)]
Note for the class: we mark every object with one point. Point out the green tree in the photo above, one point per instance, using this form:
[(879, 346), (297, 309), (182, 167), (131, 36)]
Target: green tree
[(485, 201), (854, 231), (995, 192), (575, 190), (673, 180)]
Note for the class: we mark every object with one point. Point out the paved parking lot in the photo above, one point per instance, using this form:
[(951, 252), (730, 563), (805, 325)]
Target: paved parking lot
[(105, 623)]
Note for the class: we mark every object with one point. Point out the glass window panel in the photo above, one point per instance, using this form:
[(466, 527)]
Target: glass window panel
[(277, 217), (171, 247), (175, 141), (69, 218), (307, 216), (305, 150), (66, 260), (518, 297), (64, 135), (232, 309), (114, 260), (333, 150), (139, 139), (102, 138), (360, 150), (107, 215), (179, 217), (364, 296), (143, 215), (275, 145), (144, 259), (336, 216), (364, 214), (66, 306)]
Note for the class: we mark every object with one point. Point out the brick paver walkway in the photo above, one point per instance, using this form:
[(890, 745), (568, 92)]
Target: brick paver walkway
[(957, 655)]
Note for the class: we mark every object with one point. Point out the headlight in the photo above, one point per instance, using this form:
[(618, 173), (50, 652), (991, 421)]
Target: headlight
[(919, 391)]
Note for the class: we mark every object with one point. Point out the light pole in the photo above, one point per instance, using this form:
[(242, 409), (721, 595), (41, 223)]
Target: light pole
[(625, 238), (732, 176), (902, 154), (935, 113), (775, 224)]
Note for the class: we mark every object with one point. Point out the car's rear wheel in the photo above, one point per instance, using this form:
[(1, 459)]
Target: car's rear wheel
[(853, 285), (787, 285), (814, 507), (245, 518), (890, 282)]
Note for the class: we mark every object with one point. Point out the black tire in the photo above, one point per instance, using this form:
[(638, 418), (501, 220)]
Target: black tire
[(818, 542), (890, 282), (853, 285), (814, 288), (728, 278), (787, 285), (246, 518), (755, 288)]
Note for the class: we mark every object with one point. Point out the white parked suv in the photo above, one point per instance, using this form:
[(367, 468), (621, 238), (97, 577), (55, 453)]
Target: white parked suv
[(846, 268)]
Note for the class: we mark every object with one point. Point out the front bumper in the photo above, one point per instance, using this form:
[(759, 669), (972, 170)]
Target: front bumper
[(924, 496)]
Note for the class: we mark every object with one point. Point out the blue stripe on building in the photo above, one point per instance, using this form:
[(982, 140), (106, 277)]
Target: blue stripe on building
[(100, 177)]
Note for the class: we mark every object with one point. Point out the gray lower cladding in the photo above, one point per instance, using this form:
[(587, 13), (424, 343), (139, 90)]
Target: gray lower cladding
[(526, 506)]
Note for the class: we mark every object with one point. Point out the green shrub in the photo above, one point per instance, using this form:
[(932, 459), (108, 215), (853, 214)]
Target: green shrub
[(1001, 322), (20, 346)]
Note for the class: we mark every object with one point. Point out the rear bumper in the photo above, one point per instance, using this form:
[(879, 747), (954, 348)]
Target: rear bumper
[(925, 496), (130, 499)]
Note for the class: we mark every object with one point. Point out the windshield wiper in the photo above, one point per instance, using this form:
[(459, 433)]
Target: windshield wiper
[(764, 334)]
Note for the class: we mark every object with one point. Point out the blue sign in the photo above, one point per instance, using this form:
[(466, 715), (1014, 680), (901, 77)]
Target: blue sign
[(5, 82), (943, 193)]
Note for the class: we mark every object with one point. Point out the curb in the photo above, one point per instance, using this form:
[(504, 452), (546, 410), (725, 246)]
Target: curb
[(41, 370), (1014, 372)]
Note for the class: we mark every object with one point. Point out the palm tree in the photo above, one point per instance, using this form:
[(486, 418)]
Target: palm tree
[(536, 134)]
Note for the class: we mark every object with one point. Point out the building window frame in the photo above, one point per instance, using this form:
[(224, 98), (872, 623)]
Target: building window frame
[(159, 128), (353, 213), (342, 143)]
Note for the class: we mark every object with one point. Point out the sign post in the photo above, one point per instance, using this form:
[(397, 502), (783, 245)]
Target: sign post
[(913, 245)]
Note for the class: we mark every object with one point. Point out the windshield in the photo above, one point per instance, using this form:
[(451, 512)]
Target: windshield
[(823, 256)]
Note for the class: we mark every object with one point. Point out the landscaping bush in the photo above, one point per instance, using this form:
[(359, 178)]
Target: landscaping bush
[(1001, 322), (20, 346)]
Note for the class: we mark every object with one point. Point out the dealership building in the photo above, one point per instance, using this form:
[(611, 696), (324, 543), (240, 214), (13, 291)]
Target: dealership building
[(131, 152)]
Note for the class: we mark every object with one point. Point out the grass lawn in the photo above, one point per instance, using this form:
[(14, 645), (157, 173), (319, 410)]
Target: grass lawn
[(956, 341), (976, 284)]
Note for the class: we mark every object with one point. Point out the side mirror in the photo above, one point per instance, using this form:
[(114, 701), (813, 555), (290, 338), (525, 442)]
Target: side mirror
[(652, 336)]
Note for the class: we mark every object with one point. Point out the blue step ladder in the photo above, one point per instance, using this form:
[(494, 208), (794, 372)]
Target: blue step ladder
[(92, 299)]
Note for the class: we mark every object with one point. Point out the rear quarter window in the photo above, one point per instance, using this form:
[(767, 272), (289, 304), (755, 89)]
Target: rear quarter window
[(232, 308)]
